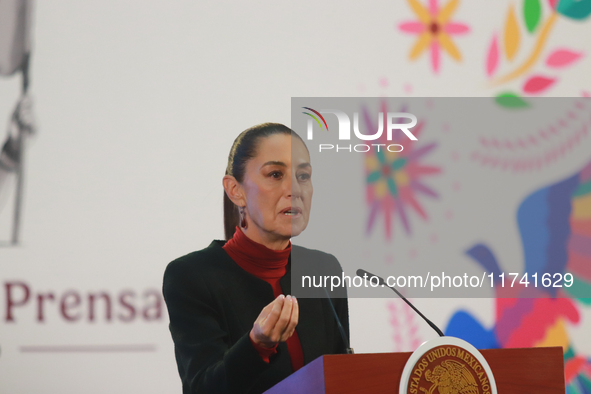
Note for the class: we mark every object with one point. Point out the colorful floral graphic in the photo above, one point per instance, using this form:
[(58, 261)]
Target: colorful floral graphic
[(434, 29), (555, 227), (394, 179), (527, 56), (512, 40)]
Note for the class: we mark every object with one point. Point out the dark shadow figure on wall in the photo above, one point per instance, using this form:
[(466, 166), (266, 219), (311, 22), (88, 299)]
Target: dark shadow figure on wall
[(15, 55)]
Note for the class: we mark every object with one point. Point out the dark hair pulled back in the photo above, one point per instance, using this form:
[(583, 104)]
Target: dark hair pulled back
[(243, 149)]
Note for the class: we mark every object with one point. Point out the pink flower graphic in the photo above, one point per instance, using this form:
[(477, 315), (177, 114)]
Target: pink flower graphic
[(434, 29)]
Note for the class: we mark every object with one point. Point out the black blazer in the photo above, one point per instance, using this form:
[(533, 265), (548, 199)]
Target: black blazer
[(213, 303)]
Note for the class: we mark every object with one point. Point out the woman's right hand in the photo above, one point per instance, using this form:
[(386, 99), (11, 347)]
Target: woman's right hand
[(276, 322)]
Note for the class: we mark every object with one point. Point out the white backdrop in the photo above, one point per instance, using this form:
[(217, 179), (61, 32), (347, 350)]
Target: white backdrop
[(137, 104)]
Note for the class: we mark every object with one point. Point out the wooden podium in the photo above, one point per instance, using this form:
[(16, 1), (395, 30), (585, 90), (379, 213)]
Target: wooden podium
[(516, 371)]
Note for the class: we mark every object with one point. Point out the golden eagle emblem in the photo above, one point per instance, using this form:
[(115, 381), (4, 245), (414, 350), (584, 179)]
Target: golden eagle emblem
[(451, 377)]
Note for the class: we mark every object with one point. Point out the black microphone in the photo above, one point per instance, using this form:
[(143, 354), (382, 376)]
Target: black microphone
[(348, 349), (382, 282)]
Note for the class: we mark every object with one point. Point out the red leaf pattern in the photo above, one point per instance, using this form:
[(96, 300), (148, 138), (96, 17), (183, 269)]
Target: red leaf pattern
[(538, 84)]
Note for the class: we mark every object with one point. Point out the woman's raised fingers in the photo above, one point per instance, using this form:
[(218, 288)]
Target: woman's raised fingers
[(293, 322), (270, 321), (284, 319), (263, 327), (277, 321)]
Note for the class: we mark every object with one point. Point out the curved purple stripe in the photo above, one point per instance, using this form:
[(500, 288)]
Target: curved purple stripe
[(485, 257), (318, 113), (372, 217)]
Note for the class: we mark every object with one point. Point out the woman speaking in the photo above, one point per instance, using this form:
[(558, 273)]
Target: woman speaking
[(234, 325)]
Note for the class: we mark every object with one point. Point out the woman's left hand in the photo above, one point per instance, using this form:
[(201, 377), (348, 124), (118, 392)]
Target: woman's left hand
[(276, 322)]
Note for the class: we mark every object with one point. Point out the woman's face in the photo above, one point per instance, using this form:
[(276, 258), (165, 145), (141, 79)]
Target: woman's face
[(278, 189)]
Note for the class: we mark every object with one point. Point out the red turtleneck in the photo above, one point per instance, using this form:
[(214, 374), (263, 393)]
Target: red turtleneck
[(270, 266)]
